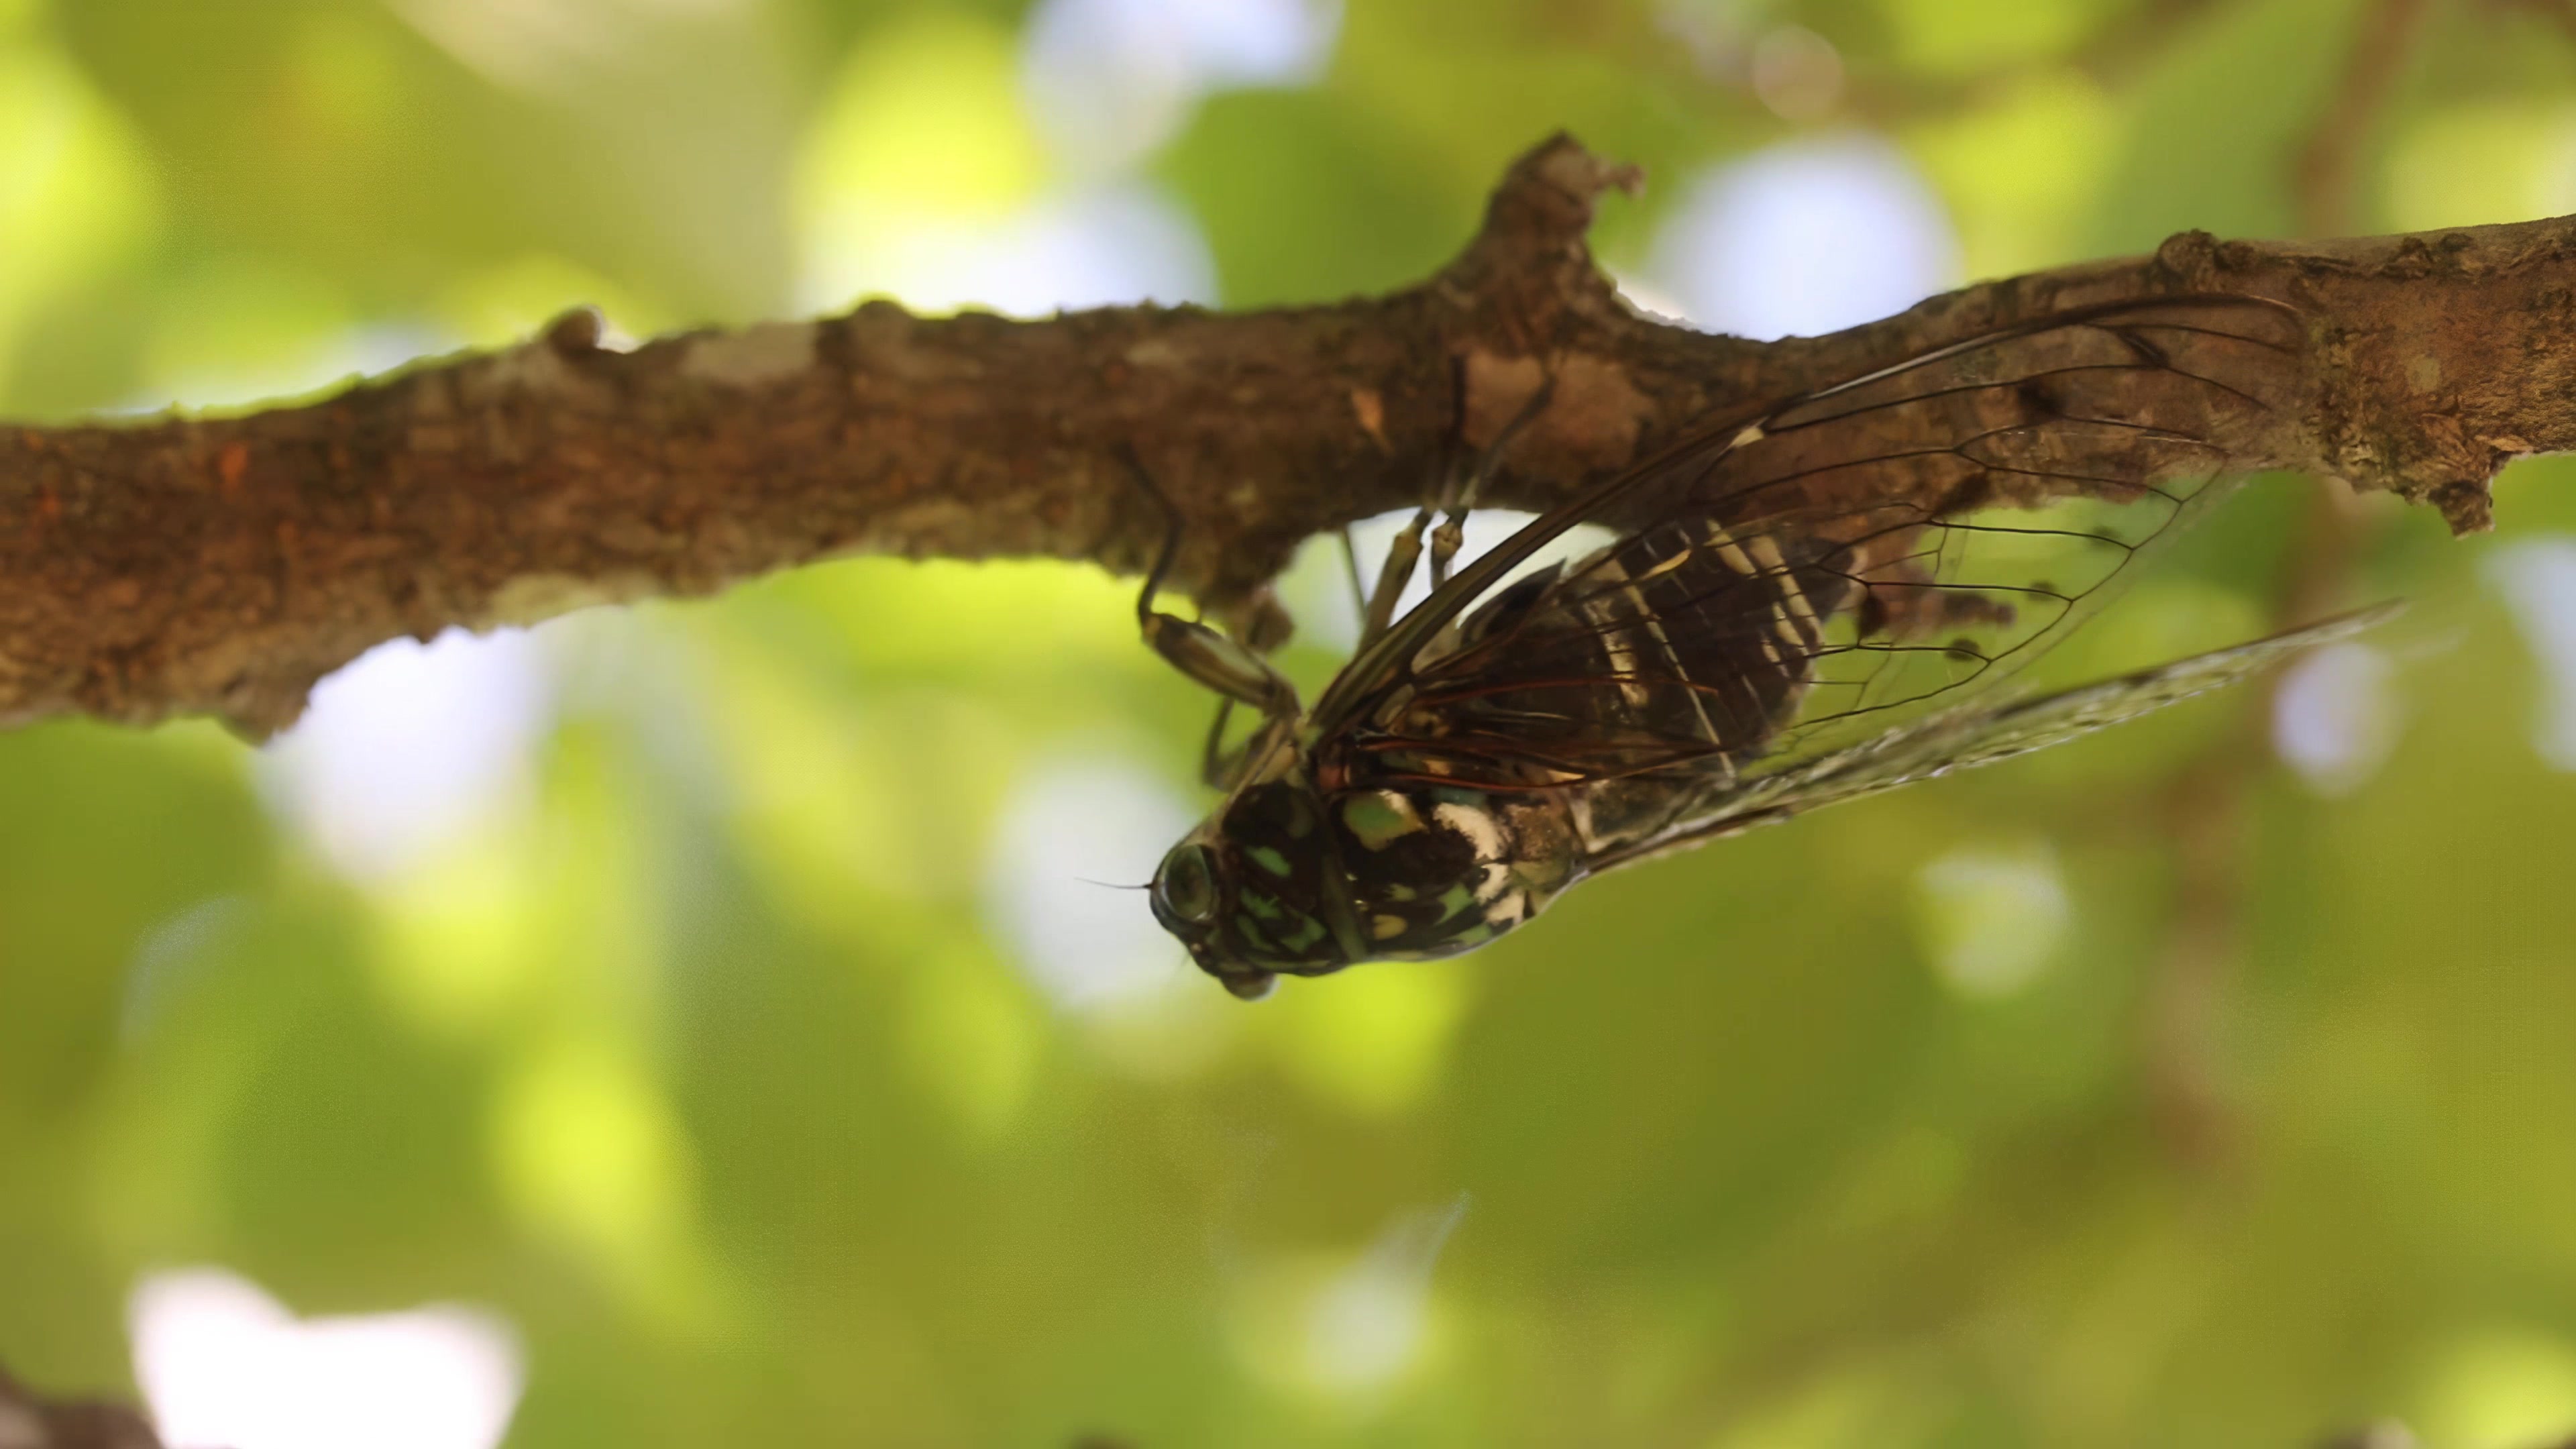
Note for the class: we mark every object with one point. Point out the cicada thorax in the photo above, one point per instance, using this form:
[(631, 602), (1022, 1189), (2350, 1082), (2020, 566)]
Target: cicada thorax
[(1439, 869), (1315, 879)]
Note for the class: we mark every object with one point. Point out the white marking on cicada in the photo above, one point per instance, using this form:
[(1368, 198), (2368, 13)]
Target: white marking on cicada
[(1509, 910), (1665, 567), (1663, 641), (1791, 596), (1474, 825), (1752, 433), (1614, 641), (1729, 552)]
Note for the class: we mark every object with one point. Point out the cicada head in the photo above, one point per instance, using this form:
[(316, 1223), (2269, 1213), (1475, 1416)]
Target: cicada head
[(1259, 890), (1287, 881)]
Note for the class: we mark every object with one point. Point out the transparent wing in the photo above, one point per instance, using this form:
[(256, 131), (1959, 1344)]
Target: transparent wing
[(1963, 738), (1858, 558)]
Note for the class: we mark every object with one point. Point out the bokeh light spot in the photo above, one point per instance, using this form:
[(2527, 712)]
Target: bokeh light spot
[(2501, 1388), (2538, 581), (587, 1151), (458, 939), (1073, 833), (2334, 716), (1347, 1329), (1992, 918), (1804, 238), (224, 1366), (410, 746), (924, 181), (1112, 80)]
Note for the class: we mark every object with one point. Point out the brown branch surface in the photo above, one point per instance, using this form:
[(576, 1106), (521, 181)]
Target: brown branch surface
[(221, 565)]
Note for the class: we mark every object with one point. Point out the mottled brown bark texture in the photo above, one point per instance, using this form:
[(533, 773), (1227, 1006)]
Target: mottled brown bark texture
[(221, 565)]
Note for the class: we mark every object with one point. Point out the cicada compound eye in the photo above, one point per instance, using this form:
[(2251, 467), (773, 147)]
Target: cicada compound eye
[(1185, 888)]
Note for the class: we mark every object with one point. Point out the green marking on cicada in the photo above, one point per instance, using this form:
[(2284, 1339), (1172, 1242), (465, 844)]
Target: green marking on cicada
[(1380, 817), (1457, 900), (1266, 907), (1270, 860), (1305, 935)]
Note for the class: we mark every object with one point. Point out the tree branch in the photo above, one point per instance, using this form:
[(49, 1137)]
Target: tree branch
[(221, 565)]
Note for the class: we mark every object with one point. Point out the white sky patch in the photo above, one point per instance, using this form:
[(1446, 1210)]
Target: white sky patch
[(1804, 238), (1992, 919), (358, 353), (409, 746), (1088, 946), (1102, 247), (2538, 581), (1111, 80), (224, 1366), (2335, 718)]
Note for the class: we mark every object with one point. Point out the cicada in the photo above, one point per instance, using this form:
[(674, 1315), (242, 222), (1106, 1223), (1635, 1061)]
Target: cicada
[(1804, 606)]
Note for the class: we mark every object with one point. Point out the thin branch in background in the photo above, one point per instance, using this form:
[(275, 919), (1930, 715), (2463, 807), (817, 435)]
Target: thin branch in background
[(2559, 13), (2137, 37), (2204, 805), (2326, 175), (2203, 812), (2112, 56)]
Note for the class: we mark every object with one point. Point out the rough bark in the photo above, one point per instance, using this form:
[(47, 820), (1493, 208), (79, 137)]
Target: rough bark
[(221, 565)]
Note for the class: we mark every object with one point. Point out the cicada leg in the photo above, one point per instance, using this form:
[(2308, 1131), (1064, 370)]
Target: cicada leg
[(1217, 766), (1402, 555), (1459, 494), (1231, 669)]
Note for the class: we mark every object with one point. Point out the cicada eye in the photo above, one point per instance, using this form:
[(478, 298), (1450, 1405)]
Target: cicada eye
[(1185, 886)]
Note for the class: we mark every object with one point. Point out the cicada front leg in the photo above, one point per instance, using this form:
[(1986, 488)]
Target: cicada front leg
[(1233, 669), (1402, 556)]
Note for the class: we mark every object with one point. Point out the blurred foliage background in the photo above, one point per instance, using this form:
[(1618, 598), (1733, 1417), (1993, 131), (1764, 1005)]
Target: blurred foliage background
[(694, 1024)]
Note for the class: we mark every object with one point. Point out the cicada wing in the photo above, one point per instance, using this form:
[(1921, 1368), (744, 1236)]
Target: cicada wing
[(1965, 737), (1871, 553)]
